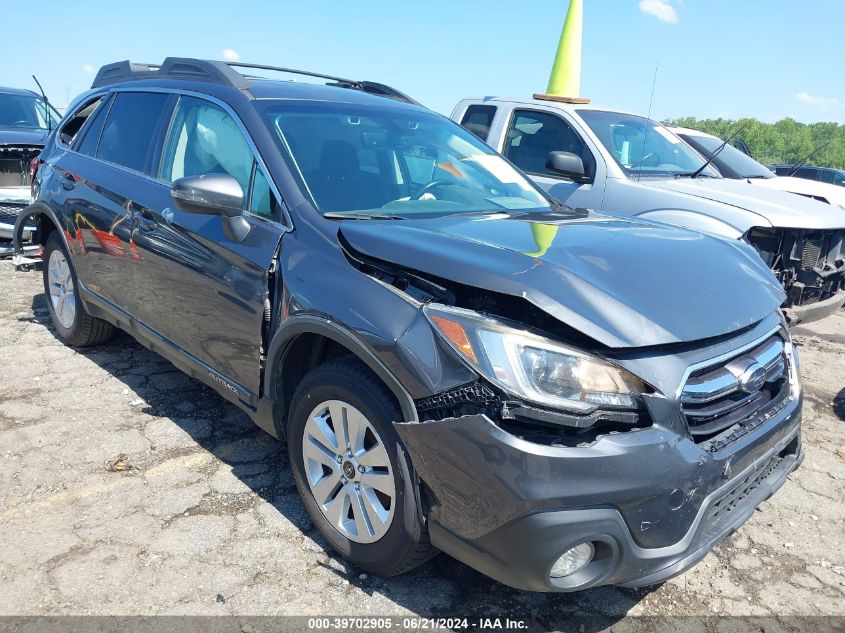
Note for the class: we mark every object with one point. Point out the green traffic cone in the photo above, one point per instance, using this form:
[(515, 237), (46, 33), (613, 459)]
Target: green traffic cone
[(565, 80)]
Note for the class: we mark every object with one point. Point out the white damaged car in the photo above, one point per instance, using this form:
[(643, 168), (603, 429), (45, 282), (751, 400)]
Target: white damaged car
[(736, 165)]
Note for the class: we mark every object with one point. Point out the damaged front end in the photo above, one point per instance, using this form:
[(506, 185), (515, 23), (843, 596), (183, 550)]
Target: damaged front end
[(647, 482), (15, 191), (610, 406), (809, 263)]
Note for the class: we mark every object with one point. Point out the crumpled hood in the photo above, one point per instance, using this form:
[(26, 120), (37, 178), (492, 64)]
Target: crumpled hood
[(834, 194), (22, 136), (779, 208), (621, 281)]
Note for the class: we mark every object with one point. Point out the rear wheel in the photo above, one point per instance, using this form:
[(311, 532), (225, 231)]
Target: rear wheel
[(72, 323), (351, 471)]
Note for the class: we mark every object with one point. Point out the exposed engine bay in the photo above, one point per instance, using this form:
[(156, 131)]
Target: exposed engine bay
[(14, 164), (810, 264)]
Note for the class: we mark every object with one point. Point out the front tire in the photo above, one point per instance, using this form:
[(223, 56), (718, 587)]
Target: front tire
[(73, 324), (351, 470)]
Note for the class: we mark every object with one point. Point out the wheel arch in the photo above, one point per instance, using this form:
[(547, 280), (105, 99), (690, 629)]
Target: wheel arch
[(46, 221), (303, 341)]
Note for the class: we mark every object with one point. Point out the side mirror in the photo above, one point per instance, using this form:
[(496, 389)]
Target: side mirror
[(567, 164), (217, 194)]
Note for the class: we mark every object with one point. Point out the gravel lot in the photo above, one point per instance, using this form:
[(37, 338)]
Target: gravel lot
[(207, 519)]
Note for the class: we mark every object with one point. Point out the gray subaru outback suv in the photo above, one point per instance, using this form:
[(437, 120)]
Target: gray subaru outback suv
[(560, 398)]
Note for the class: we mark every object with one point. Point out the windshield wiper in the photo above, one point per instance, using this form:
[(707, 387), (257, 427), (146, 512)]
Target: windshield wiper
[(558, 205), (795, 167), (691, 174), (354, 215), (713, 155)]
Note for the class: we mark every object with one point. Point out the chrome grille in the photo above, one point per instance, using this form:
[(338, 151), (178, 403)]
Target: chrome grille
[(9, 212), (736, 391)]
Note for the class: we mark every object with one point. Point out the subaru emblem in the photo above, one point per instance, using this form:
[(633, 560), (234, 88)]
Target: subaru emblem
[(753, 378)]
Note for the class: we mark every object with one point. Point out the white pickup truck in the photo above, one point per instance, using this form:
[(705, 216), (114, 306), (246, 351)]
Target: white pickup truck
[(598, 158)]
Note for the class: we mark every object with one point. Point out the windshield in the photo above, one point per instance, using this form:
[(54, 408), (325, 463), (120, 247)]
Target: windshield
[(25, 112), (642, 147), (731, 162), (376, 161)]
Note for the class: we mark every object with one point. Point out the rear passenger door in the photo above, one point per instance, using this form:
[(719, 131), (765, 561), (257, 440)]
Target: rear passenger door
[(530, 137), (105, 180), (198, 289)]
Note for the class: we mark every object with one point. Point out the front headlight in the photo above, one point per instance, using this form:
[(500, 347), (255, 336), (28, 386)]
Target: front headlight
[(533, 367)]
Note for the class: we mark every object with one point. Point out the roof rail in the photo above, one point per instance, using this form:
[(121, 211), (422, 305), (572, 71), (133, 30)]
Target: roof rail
[(226, 73), (171, 68), (370, 87)]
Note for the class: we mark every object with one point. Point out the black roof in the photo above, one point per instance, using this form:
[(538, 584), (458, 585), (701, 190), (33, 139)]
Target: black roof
[(791, 165), (225, 73)]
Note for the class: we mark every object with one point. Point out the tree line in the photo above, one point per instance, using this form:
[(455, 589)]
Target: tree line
[(786, 141)]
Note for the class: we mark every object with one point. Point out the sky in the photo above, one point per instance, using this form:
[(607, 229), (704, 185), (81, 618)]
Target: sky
[(767, 59)]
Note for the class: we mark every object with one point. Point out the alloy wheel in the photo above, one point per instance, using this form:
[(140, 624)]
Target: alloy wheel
[(348, 471), (62, 294)]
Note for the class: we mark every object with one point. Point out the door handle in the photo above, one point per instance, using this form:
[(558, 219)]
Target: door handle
[(146, 226), (148, 219)]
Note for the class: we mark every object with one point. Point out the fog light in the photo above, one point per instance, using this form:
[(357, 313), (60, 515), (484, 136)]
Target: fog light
[(573, 560)]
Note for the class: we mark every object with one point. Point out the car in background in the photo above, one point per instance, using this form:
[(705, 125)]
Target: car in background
[(599, 158), (821, 174), (737, 165), (25, 122), (560, 398)]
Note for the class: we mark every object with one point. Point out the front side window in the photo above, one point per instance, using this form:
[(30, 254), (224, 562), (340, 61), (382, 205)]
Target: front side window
[(533, 135), (262, 201), (401, 162), (642, 147), (129, 129), (24, 111), (808, 173), (205, 139)]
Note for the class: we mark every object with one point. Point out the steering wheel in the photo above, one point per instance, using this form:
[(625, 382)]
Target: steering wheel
[(21, 124), (427, 189)]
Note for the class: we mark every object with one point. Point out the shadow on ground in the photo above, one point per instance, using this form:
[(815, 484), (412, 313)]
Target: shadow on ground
[(475, 595), (839, 405)]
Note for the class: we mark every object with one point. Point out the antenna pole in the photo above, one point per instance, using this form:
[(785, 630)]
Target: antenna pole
[(650, 103), (46, 105)]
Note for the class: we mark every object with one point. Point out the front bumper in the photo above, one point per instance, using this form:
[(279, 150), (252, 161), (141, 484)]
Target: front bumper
[(652, 503), (815, 311)]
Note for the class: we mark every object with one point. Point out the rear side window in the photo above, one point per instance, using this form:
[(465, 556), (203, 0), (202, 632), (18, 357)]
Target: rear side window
[(86, 141), (129, 130), (478, 119), (70, 130)]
